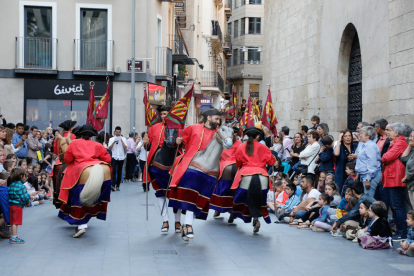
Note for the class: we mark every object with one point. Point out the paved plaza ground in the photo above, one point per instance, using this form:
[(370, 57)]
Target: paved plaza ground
[(127, 244)]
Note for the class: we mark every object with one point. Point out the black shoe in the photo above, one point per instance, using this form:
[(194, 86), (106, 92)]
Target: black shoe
[(231, 218), (113, 189), (118, 189)]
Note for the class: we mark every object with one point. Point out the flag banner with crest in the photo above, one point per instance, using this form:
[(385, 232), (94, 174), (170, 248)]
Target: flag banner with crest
[(269, 116), (91, 106), (151, 116), (99, 113), (231, 112), (178, 114), (247, 119)]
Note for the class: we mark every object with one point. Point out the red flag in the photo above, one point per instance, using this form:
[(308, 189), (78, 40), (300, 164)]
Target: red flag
[(151, 116), (247, 119), (269, 116), (101, 111), (231, 112), (91, 107), (176, 117)]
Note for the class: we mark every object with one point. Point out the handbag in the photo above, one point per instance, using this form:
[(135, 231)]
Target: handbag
[(302, 168)]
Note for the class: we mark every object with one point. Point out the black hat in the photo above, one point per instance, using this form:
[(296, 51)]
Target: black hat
[(66, 125), (211, 112), (252, 131), (76, 131), (164, 108), (274, 154), (87, 131), (236, 129)]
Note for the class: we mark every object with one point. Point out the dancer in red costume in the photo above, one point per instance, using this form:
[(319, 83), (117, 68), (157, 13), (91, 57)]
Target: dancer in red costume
[(162, 151), (251, 183), (86, 186), (222, 199)]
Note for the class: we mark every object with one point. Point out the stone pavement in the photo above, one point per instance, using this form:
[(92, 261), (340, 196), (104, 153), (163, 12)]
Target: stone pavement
[(127, 244)]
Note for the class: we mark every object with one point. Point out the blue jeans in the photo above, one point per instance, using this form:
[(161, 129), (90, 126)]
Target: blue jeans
[(300, 214), (374, 183), (393, 197)]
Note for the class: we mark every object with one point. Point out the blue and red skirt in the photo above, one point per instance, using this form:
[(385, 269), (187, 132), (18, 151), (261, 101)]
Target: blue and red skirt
[(193, 193), (75, 214), (241, 206), (159, 180), (222, 198)]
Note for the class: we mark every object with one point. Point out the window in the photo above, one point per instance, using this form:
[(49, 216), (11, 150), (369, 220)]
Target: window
[(254, 25), (243, 26), (241, 57), (229, 28), (236, 28), (228, 62), (236, 4), (235, 56), (253, 56), (93, 42), (243, 2), (255, 2)]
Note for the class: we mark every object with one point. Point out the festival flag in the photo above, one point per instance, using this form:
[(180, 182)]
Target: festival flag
[(177, 115), (247, 119), (269, 116), (91, 106), (231, 112), (101, 111), (151, 116)]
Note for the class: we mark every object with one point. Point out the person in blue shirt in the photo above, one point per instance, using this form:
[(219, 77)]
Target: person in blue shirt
[(326, 155), (368, 162), (293, 201), (323, 222), (19, 140)]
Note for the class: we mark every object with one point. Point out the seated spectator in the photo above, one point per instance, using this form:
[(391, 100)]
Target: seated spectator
[(8, 165), (8, 146), (352, 202), (29, 171), (343, 207), (309, 154), (277, 166), (323, 223), (352, 233), (326, 156), (352, 217), (407, 245), (45, 184), (332, 190), (298, 146), (2, 158), (311, 195), (23, 164), (297, 184), (330, 177), (378, 234), (273, 195), (368, 162), (393, 174), (278, 148), (321, 182), (47, 160), (350, 171), (36, 169), (284, 210), (36, 197)]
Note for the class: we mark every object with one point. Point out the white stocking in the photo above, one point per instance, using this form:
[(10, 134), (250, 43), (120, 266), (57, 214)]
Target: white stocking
[(189, 218), (178, 216), (165, 211)]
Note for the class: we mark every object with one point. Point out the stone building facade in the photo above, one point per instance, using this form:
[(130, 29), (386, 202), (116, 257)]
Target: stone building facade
[(346, 61)]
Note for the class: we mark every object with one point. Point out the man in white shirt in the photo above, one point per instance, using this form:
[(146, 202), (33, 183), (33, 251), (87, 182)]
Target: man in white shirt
[(311, 196), (117, 145)]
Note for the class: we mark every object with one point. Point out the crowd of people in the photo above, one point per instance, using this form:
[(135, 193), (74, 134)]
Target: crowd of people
[(359, 186)]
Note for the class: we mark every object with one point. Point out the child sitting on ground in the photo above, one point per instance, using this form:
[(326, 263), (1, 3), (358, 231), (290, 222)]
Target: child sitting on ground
[(36, 196), (323, 222), (352, 202), (330, 177), (350, 171), (23, 164), (378, 234), (36, 169), (343, 207), (364, 220), (321, 182), (407, 245), (29, 171), (18, 198), (8, 165), (298, 188), (273, 196), (294, 200), (277, 167)]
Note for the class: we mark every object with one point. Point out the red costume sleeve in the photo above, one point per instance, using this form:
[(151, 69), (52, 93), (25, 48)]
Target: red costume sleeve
[(69, 157), (239, 156), (270, 159), (186, 136)]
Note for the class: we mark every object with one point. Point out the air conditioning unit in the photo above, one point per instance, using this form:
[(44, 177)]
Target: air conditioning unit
[(117, 69)]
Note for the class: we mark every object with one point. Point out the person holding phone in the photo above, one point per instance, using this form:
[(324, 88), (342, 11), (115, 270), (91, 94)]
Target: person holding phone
[(117, 145), (19, 140)]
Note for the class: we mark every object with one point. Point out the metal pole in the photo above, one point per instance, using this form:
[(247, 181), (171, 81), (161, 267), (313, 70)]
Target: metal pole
[(132, 102)]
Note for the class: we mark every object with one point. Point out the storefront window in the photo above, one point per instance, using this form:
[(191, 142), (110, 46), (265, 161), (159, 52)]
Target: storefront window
[(42, 112)]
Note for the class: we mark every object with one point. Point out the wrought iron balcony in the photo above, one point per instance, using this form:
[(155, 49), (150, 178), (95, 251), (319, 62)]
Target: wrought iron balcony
[(227, 8), (179, 51), (36, 53), (163, 61), (212, 79), (216, 36), (93, 55)]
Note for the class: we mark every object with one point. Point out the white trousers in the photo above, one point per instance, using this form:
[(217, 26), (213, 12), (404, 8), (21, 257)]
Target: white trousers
[(165, 216), (189, 218), (82, 226)]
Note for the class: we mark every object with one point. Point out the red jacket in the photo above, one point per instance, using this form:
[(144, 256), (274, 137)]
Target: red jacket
[(255, 164), (80, 155), (394, 169)]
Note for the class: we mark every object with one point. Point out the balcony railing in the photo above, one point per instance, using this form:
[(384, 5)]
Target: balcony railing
[(36, 52), (251, 62), (216, 30), (178, 45), (212, 79), (93, 54), (163, 61)]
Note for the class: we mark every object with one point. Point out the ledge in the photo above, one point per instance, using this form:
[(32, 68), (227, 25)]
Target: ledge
[(164, 78), (93, 73), (35, 71)]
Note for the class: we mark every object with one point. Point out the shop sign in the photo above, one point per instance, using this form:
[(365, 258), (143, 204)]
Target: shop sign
[(138, 65), (76, 90)]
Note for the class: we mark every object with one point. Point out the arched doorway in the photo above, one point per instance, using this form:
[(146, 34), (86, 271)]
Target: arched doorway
[(355, 85)]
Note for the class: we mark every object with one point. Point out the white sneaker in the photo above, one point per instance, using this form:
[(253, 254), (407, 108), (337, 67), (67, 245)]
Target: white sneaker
[(79, 233), (337, 234)]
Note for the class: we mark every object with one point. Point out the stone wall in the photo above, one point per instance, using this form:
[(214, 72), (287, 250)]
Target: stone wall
[(401, 35), (291, 59)]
